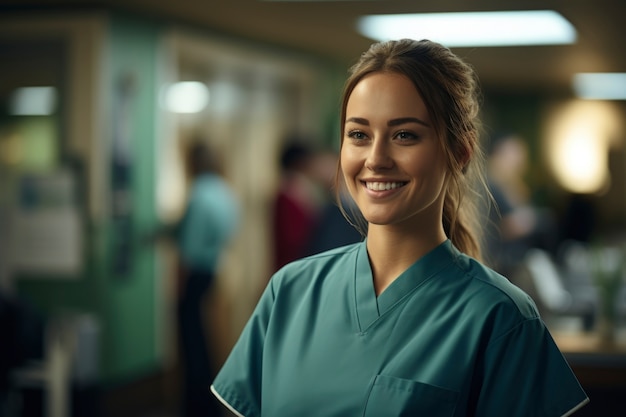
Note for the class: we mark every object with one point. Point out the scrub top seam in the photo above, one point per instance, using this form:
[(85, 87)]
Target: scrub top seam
[(418, 286), (509, 331), (473, 276), (355, 307), (404, 298)]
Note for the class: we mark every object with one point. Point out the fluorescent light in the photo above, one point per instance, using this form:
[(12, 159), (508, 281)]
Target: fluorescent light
[(185, 97), (515, 28), (600, 85), (33, 101)]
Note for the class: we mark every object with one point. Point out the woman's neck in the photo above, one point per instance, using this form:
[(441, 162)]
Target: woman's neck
[(392, 250)]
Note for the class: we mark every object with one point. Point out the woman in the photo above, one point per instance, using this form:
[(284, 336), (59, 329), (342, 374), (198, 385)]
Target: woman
[(407, 322)]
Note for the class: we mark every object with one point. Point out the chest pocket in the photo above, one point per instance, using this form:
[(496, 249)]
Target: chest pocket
[(391, 397)]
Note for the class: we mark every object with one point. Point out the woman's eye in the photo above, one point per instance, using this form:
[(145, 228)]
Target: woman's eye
[(356, 134), (406, 136)]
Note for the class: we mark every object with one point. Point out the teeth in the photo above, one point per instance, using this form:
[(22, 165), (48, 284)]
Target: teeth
[(382, 186)]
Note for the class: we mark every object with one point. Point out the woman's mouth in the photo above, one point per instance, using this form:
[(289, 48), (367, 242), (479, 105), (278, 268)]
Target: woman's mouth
[(383, 186)]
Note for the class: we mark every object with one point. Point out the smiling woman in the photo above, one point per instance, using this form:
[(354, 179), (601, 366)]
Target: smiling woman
[(409, 321), (438, 92), (393, 166)]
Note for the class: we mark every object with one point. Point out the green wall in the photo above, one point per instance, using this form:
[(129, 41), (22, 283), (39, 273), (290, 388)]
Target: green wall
[(130, 309), (124, 301)]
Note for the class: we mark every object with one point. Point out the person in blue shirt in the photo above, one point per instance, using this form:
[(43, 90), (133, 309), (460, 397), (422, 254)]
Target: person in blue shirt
[(408, 322), (207, 227)]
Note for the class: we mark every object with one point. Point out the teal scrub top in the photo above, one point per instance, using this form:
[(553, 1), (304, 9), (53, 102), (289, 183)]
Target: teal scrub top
[(449, 337)]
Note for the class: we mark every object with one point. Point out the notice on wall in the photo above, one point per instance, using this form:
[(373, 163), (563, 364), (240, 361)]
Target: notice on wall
[(46, 227)]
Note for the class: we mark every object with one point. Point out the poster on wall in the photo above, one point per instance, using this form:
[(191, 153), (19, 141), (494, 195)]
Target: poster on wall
[(46, 227)]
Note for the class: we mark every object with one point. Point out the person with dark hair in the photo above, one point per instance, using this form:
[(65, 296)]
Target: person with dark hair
[(332, 229), (409, 321), (207, 227), (297, 204)]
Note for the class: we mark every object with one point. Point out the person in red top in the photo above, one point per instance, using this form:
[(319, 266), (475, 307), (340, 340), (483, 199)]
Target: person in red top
[(297, 204)]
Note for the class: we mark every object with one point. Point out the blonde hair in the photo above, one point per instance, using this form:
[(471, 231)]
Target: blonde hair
[(449, 88)]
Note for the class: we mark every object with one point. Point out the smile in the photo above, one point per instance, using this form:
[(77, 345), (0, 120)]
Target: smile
[(384, 186)]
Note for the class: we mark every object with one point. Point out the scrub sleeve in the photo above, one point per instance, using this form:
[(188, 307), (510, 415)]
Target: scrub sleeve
[(238, 383), (525, 374)]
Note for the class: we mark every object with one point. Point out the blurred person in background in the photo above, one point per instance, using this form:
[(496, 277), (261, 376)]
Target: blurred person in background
[(297, 203), (516, 224), (409, 321), (209, 223), (333, 229)]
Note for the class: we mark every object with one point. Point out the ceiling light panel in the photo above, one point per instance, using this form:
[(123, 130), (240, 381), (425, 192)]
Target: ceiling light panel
[(600, 85), (473, 29)]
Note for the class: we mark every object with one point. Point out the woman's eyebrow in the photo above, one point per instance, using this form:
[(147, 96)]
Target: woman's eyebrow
[(358, 120), (403, 120), (393, 122)]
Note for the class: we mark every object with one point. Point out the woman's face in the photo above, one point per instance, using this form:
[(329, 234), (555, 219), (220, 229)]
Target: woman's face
[(391, 159)]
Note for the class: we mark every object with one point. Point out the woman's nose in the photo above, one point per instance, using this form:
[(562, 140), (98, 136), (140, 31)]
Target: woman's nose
[(379, 156)]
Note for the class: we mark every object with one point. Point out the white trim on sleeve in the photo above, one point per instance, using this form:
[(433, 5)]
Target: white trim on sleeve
[(578, 407), (223, 401)]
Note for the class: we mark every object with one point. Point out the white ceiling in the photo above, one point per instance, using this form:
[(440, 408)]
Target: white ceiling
[(327, 29)]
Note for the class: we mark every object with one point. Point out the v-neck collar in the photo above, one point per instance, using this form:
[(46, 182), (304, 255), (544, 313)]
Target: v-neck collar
[(369, 307)]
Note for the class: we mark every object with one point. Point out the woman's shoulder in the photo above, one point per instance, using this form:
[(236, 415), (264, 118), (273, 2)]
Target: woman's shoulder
[(324, 258), (320, 264), (495, 290)]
